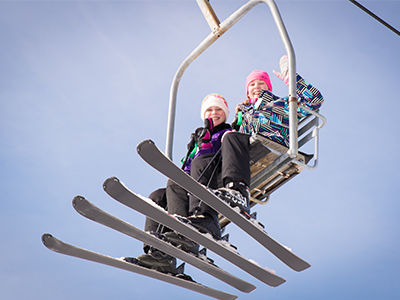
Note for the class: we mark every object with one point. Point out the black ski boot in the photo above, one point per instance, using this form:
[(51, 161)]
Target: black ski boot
[(181, 242), (155, 259), (206, 223), (236, 194)]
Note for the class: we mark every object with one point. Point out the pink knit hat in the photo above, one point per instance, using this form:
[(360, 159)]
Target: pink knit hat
[(214, 100), (258, 75)]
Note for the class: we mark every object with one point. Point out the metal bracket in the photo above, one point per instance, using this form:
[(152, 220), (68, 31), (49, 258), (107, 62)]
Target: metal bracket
[(210, 16)]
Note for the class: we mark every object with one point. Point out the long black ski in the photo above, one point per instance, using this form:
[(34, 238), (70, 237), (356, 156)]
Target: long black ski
[(154, 157), (90, 211), (117, 190), (60, 247)]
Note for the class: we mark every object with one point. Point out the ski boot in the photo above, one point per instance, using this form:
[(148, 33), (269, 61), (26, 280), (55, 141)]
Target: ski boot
[(206, 223), (236, 194), (155, 259), (181, 242)]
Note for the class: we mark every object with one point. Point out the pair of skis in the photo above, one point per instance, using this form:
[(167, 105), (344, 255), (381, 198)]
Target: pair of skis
[(117, 190), (90, 211)]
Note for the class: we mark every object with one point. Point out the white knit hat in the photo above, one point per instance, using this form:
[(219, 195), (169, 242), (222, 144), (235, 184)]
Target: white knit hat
[(214, 100)]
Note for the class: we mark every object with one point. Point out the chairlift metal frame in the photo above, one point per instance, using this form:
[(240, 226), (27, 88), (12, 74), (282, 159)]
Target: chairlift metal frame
[(265, 181), (217, 30)]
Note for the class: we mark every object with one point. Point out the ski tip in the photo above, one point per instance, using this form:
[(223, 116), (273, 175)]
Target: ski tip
[(45, 237), (54, 244), (109, 181), (82, 206), (77, 199), (48, 240), (143, 143)]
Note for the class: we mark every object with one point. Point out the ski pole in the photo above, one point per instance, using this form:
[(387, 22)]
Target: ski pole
[(209, 164), (191, 146)]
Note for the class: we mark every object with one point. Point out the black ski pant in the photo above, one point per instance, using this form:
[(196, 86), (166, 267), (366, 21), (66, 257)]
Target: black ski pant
[(232, 164), (236, 158), (159, 197)]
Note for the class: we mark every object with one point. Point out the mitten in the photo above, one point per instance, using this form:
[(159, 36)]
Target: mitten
[(284, 73)]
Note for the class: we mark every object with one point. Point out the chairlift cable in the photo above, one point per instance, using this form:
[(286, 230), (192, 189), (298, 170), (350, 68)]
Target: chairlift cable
[(375, 17)]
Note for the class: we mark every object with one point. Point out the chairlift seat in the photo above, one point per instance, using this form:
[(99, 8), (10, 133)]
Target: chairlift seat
[(271, 166)]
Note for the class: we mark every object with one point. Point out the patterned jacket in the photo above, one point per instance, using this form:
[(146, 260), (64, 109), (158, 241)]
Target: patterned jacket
[(269, 116)]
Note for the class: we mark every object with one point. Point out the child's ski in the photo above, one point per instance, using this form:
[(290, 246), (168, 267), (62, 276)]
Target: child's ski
[(154, 157), (90, 211), (117, 190), (58, 246)]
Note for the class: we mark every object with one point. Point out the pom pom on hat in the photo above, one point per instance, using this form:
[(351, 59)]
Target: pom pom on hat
[(214, 100), (258, 75)]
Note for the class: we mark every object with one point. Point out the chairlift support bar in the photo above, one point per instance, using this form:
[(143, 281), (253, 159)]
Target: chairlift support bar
[(218, 29), (209, 14)]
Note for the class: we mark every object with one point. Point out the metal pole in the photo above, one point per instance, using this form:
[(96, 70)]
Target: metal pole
[(293, 149)]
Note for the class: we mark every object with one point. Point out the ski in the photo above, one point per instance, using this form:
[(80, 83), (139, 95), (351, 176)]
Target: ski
[(90, 211), (154, 157), (117, 190), (58, 246)]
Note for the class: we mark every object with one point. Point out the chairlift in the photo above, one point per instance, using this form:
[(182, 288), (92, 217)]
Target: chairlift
[(273, 164)]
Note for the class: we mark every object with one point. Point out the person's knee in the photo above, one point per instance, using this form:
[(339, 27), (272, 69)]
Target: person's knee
[(159, 197), (201, 161), (236, 139)]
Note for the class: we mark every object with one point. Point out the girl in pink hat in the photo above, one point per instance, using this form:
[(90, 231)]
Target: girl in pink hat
[(265, 113)]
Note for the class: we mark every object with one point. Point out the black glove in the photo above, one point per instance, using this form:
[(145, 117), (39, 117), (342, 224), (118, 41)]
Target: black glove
[(204, 134), (192, 143)]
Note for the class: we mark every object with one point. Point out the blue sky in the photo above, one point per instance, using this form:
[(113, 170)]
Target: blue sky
[(83, 82)]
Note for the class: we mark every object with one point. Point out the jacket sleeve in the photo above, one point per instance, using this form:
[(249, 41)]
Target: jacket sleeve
[(308, 95)]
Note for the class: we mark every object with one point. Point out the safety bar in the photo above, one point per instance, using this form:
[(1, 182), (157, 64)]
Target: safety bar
[(314, 134), (218, 29)]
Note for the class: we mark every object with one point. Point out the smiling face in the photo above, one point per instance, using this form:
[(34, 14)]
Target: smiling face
[(216, 113), (255, 87)]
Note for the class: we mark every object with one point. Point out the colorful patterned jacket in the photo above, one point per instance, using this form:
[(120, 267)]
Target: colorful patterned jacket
[(271, 116)]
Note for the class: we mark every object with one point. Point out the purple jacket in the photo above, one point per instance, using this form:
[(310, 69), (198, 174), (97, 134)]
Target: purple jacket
[(216, 136)]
